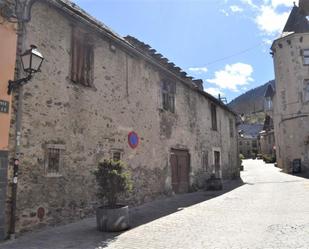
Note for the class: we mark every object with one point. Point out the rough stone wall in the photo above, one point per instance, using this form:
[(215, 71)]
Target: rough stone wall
[(267, 142), (290, 108), (91, 122)]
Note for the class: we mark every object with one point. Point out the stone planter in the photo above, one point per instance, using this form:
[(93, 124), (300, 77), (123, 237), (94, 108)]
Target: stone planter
[(113, 219)]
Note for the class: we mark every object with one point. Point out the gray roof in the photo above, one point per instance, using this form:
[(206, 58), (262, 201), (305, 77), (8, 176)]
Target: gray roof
[(250, 130), (297, 22)]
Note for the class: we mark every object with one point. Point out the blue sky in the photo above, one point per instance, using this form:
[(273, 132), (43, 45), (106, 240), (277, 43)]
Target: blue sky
[(224, 42)]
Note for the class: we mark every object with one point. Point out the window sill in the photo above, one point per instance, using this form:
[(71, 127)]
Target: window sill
[(53, 175)]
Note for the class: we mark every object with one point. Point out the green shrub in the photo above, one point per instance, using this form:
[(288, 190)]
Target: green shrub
[(269, 158), (113, 180)]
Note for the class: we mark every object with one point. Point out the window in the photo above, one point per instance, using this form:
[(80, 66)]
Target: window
[(240, 142), (306, 89), (168, 96), (306, 56), (213, 117), (205, 161), (231, 127), (54, 159), (116, 154), (82, 58)]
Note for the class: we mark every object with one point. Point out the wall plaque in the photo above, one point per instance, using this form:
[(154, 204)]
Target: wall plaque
[(4, 106)]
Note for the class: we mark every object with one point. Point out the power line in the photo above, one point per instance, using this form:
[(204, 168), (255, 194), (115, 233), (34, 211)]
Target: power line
[(233, 55)]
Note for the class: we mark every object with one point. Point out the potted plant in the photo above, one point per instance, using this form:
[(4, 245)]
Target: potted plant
[(113, 180)]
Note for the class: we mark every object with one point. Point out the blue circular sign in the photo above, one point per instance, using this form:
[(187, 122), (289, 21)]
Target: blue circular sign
[(133, 140)]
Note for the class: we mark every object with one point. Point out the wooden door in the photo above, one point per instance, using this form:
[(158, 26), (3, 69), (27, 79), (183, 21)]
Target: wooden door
[(180, 165)]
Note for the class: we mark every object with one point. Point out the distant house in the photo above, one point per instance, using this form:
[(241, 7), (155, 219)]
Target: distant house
[(290, 98), (267, 135), (248, 141), (100, 96)]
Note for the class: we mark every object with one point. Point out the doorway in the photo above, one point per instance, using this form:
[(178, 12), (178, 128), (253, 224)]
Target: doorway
[(180, 165)]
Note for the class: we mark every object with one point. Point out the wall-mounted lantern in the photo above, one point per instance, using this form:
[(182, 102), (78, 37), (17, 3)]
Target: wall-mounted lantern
[(31, 60)]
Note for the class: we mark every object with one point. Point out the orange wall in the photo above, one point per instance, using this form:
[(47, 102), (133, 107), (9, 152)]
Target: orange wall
[(8, 43)]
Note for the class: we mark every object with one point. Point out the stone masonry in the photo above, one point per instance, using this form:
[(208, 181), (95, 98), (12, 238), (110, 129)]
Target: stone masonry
[(87, 124)]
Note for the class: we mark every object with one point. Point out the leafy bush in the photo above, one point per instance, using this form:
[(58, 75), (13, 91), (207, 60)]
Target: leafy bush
[(269, 158), (241, 157), (113, 179)]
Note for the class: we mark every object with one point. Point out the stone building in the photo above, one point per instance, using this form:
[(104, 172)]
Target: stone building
[(291, 96), (267, 135), (97, 90), (248, 142)]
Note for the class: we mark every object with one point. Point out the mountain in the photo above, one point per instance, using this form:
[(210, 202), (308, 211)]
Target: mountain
[(251, 101)]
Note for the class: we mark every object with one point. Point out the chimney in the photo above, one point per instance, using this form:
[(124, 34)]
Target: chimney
[(199, 84), (304, 6)]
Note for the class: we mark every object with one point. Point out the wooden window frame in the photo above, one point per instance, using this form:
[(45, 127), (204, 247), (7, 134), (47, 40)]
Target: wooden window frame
[(82, 58)]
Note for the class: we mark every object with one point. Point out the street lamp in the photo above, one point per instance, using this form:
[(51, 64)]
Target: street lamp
[(31, 60)]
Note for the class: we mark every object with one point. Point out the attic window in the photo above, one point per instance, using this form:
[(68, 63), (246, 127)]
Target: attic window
[(82, 58), (306, 56)]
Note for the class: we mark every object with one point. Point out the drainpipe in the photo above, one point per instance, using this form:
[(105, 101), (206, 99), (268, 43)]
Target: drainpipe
[(19, 49)]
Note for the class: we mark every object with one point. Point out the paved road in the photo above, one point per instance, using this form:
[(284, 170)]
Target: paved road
[(269, 210)]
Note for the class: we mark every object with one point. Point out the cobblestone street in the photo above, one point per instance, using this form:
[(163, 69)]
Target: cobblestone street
[(269, 210)]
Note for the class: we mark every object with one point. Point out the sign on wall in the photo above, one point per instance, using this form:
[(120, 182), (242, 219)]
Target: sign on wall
[(133, 139), (4, 106)]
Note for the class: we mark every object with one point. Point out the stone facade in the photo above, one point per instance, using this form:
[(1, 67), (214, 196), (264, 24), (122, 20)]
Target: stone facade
[(291, 100), (248, 141), (86, 124)]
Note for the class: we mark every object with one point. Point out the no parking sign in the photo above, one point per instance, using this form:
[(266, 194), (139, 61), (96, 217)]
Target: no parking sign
[(133, 139)]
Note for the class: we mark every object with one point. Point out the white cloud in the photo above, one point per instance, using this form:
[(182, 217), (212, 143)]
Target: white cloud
[(232, 76), (214, 91), (270, 15), (224, 12), (198, 70), (270, 21), (235, 8), (276, 3)]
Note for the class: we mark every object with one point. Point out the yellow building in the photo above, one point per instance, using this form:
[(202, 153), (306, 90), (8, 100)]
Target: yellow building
[(8, 43)]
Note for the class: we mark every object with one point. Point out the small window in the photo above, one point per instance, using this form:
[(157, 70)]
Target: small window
[(213, 109), (168, 96), (82, 58), (205, 161), (54, 159), (306, 56), (116, 154), (231, 127), (306, 91), (240, 142)]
